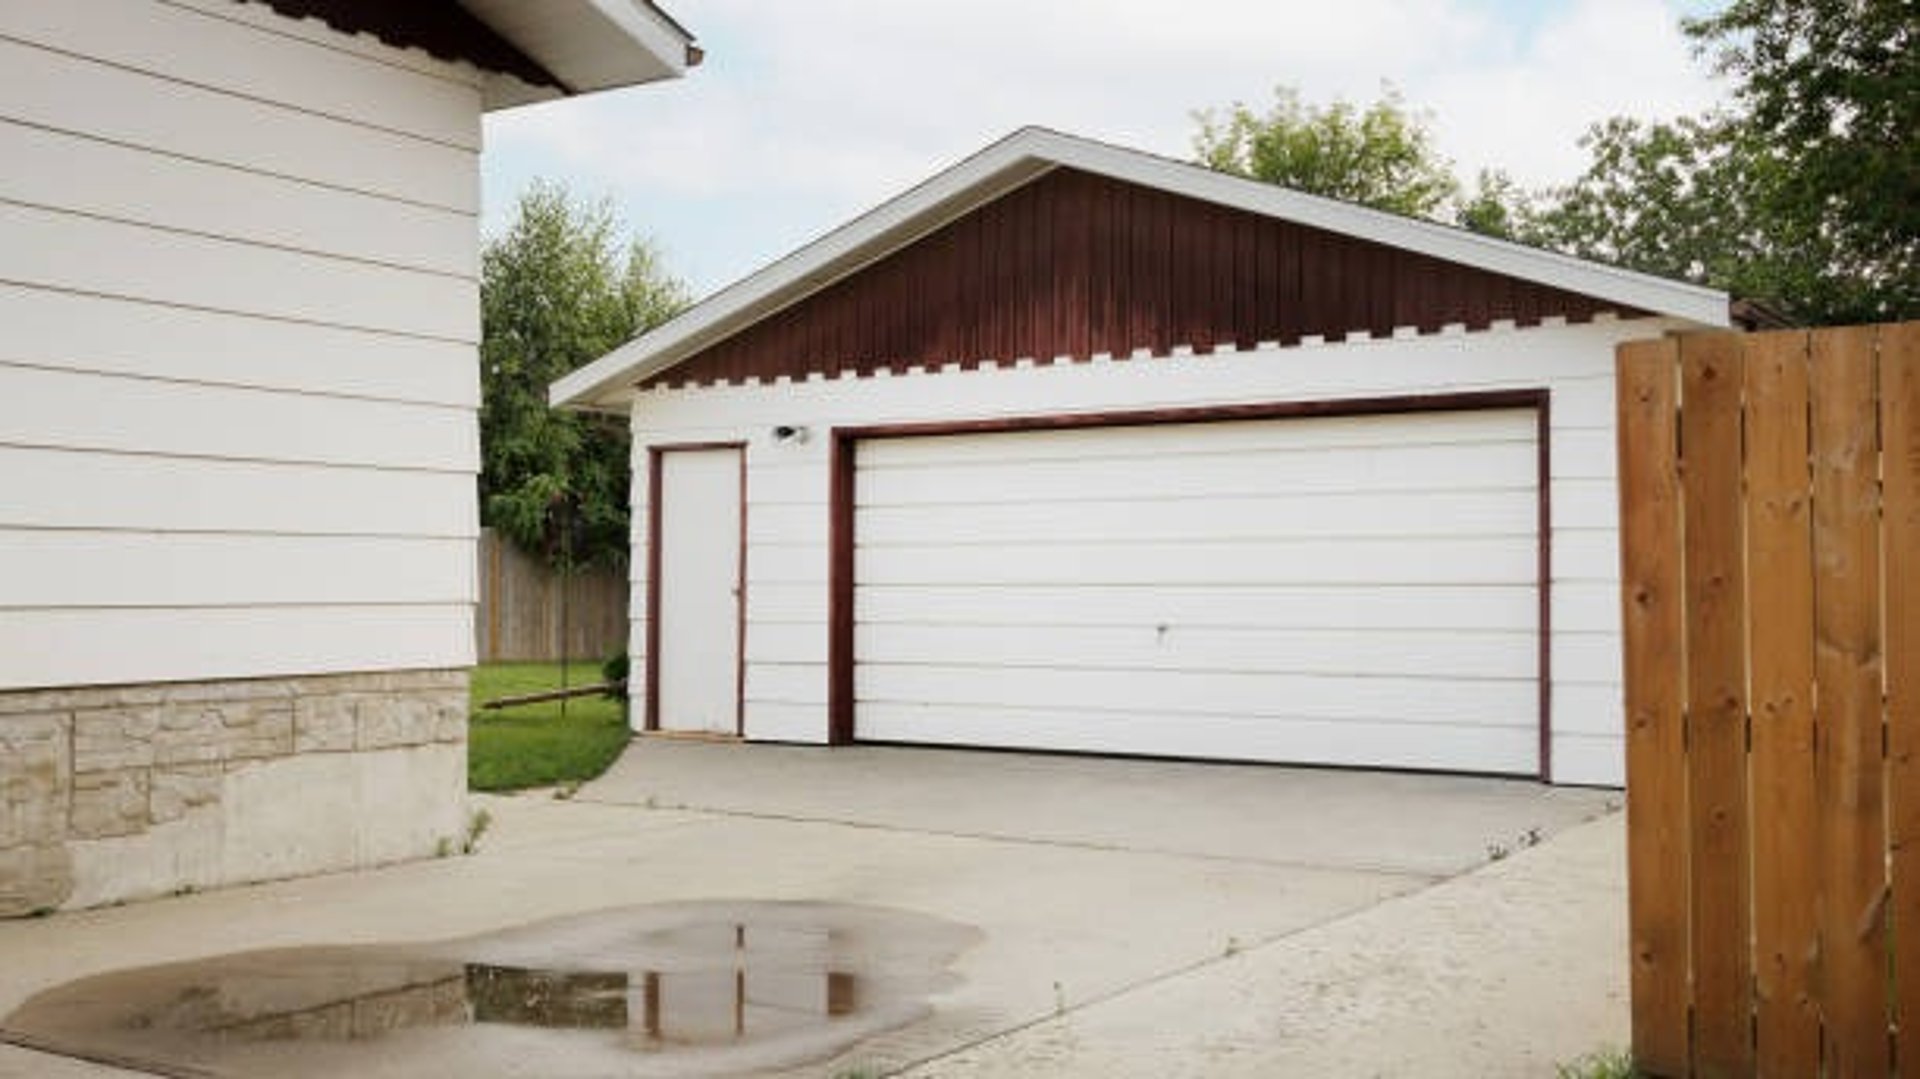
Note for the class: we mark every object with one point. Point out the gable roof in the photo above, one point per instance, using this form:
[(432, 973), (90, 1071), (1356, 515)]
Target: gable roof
[(531, 50), (1030, 153)]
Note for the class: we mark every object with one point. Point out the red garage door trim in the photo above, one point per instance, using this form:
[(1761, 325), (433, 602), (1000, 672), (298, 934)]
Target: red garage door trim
[(845, 446)]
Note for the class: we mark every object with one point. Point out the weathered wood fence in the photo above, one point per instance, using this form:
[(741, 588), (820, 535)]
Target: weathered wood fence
[(1770, 493), (521, 613)]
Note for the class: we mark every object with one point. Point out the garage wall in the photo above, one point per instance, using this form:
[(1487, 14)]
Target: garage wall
[(238, 324), (787, 484)]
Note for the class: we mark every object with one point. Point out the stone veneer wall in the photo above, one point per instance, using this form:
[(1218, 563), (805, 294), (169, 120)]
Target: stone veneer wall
[(122, 792)]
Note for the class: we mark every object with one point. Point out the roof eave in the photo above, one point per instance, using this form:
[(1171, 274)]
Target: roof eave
[(570, 39)]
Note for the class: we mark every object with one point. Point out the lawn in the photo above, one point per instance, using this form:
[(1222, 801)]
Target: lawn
[(530, 745)]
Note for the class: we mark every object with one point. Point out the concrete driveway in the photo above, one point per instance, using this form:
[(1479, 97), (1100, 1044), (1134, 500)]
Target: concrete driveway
[(1134, 917)]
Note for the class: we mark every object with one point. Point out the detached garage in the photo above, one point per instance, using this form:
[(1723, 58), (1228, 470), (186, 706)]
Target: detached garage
[(1076, 448)]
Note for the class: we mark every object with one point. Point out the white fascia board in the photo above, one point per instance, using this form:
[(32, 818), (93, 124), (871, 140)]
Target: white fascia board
[(588, 45), (1030, 152), (651, 28)]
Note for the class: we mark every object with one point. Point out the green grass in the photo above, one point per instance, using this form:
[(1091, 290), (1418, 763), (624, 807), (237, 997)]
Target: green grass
[(1605, 1064), (529, 745)]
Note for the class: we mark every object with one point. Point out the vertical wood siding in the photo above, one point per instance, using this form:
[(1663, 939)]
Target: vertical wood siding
[(238, 280), (1074, 264)]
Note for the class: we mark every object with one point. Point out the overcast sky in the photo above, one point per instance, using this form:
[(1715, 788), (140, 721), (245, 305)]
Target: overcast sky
[(808, 113)]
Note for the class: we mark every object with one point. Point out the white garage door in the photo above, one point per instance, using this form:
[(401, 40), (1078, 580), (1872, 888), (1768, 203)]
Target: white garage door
[(1342, 590)]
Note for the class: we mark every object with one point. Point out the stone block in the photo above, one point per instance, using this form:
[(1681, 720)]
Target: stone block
[(450, 718), (109, 804), (114, 738), (182, 789), (35, 773), (323, 724), (34, 878), (388, 722), (224, 731)]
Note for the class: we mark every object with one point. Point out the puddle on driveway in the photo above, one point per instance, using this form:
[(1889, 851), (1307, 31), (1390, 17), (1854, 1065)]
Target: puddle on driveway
[(672, 989)]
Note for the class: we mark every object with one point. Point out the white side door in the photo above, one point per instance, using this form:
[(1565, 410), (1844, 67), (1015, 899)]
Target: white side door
[(700, 603)]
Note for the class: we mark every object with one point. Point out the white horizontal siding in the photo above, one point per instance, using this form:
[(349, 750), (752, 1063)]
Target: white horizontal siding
[(153, 340), (54, 249), (788, 486), (121, 182), (128, 569), (238, 317), (45, 648), (109, 412), (65, 91), (192, 46), (138, 492)]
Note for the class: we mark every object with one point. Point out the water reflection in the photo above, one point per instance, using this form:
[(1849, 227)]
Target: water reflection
[(692, 988)]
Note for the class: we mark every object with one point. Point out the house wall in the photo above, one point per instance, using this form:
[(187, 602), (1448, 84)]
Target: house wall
[(786, 684), (238, 382)]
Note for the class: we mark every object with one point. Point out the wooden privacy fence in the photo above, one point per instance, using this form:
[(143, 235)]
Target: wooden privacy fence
[(1770, 494), (522, 614)]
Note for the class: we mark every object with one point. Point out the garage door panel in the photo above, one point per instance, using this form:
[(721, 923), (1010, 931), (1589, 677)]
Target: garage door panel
[(1352, 590), (1510, 750), (1322, 514), (1353, 606), (1383, 563), (1390, 469), (1408, 701), (1231, 437), (1173, 647)]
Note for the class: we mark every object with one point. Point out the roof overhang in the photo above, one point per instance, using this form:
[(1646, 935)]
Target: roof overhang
[(608, 383), (586, 45), (526, 50)]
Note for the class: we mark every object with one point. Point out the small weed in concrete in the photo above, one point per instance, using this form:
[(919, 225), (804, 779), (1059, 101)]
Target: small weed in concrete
[(1530, 838), (1603, 1064), (477, 825), (1059, 999), (857, 1072), (443, 847), (1497, 852), (1232, 949)]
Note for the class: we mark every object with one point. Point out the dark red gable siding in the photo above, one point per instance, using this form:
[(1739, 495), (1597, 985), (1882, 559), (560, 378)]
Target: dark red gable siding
[(1076, 264)]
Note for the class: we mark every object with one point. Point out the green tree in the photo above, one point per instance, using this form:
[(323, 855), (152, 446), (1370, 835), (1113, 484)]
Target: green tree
[(1381, 156), (558, 290), (1832, 89), (1804, 192)]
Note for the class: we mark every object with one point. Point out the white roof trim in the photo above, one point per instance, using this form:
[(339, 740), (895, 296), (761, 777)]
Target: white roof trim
[(589, 45), (1030, 152)]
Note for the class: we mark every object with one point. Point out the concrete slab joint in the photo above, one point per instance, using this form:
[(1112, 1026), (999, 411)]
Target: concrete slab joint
[(122, 792)]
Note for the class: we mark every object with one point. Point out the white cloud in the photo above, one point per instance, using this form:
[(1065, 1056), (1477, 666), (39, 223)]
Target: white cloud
[(806, 113)]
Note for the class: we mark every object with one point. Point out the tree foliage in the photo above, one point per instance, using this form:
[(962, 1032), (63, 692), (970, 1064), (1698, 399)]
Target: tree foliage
[(560, 289), (1381, 156), (1803, 191), (1827, 99)]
